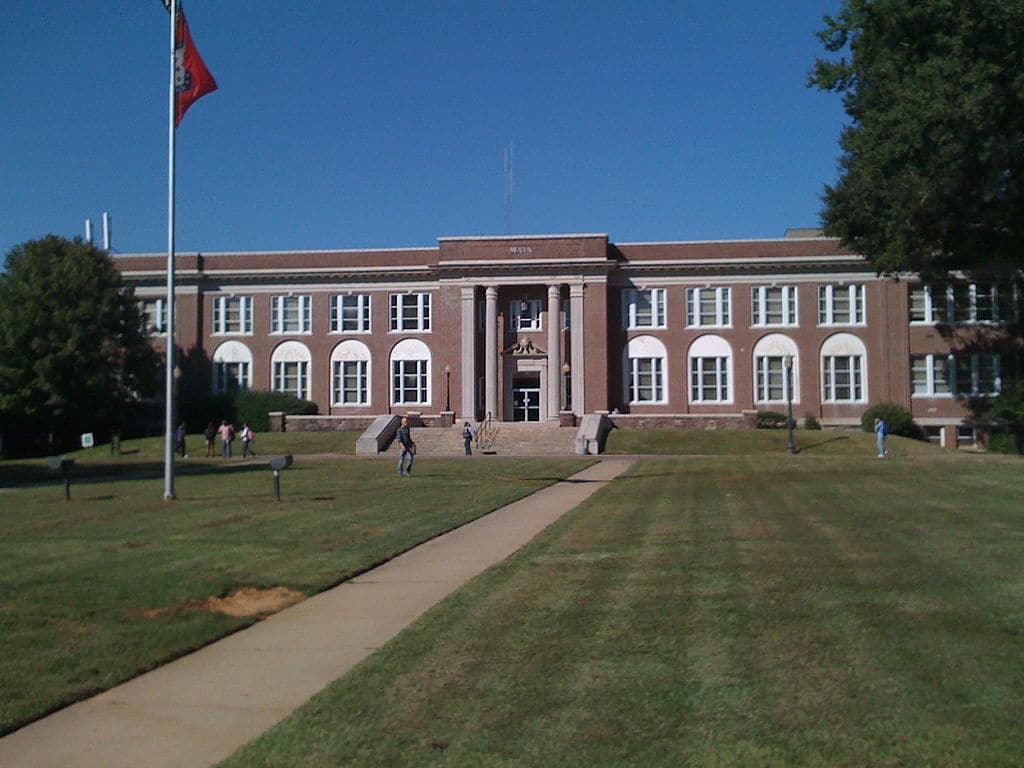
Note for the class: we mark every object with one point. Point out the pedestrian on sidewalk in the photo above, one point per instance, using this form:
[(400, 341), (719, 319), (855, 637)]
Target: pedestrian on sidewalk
[(407, 448), (468, 433), (227, 436), (248, 438), (210, 434), (179, 440)]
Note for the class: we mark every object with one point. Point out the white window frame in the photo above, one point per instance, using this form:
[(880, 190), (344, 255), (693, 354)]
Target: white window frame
[(286, 371), (941, 304), (528, 319), (290, 315), (350, 382), (222, 311), (761, 298), (154, 316), (410, 312), (720, 298), (646, 380), (410, 382), (931, 376), (231, 376), (643, 308), (717, 366), (974, 363), (765, 373), (350, 313), (856, 295), (830, 375)]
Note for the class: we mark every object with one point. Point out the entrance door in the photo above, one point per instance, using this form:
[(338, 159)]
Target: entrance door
[(526, 397)]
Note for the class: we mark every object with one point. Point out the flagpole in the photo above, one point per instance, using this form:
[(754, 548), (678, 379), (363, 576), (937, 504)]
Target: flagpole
[(170, 394)]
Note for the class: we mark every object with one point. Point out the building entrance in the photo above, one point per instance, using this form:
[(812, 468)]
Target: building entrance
[(526, 397)]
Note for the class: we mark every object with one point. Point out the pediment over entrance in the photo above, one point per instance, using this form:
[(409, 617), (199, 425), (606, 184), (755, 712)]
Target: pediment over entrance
[(524, 347)]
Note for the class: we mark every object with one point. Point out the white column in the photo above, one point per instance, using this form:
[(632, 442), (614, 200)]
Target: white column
[(554, 351), (468, 373), (578, 357), (491, 353)]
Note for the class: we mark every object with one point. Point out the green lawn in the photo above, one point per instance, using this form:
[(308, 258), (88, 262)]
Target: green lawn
[(102, 588), (716, 611)]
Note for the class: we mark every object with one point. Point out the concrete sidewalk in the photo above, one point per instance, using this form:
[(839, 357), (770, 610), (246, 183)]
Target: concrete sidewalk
[(200, 709)]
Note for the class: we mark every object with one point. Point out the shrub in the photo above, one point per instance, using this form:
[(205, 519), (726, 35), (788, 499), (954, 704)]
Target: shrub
[(252, 407), (771, 420), (899, 420), (810, 422)]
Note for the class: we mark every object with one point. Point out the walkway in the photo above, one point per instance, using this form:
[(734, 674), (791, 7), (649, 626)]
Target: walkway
[(200, 709)]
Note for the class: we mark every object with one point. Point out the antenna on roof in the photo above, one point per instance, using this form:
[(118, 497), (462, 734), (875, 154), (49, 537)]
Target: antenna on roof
[(106, 231), (509, 177), (88, 230)]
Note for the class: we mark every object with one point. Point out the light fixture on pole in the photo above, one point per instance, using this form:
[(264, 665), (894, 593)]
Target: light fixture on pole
[(448, 387), (790, 445), (566, 402)]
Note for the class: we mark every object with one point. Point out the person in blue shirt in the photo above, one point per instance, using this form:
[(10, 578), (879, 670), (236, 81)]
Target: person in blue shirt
[(881, 432)]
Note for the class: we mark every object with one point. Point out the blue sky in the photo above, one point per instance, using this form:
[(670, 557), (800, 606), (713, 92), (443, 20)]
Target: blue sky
[(351, 125)]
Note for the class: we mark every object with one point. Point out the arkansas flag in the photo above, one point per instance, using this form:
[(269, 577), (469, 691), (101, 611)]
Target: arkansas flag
[(192, 80)]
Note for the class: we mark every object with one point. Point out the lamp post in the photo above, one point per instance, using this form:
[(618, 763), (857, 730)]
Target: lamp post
[(448, 387), (788, 360), (566, 368)]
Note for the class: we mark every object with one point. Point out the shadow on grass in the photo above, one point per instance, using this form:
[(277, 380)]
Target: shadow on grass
[(812, 446), (30, 473)]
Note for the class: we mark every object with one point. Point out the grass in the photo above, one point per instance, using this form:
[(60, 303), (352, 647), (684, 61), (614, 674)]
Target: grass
[(758, 442), (145, 456), (818, 610), (97, 590)]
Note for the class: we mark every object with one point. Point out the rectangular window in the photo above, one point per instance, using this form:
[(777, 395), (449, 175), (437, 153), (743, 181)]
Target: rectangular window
[(291, 314), (930, 375), (292, 377), (841, 305), (709, 380), (643, 308), (773, 305), (230, 377), (232, 314), (646, 380), (410, 311), (977, 375), (964, 303), (708, 307), (525, 315), (350, 313), (409, 382), (350, 385), (772, 382), (843, 379), (154, 315)]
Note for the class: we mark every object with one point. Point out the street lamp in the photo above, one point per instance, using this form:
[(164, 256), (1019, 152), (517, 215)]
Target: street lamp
[(566, 368), (788, 360), (448, 387)]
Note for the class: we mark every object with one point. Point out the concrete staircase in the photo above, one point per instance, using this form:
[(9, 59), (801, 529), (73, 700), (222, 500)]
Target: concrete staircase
[(504, 438)]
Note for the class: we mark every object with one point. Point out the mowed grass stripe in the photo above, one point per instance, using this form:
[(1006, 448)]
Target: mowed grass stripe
[(112, 584), (712, 612)]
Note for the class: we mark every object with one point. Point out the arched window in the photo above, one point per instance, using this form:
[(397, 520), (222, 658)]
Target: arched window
[(290, 363), (410, 373), (844, 369), (645, 371), (771, 384), (232, 367), (710, 366), (350, 374)]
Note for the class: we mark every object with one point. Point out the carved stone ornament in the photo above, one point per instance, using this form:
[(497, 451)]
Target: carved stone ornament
[(523, 347)]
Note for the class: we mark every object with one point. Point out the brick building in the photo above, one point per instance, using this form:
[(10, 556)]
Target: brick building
[(530, 327)]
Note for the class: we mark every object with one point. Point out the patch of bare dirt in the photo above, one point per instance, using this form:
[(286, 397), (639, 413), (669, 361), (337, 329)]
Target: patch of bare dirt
[(254, 602)]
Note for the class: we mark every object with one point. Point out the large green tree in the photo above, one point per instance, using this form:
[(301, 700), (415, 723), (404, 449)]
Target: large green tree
[(73, 353), (931, 175)]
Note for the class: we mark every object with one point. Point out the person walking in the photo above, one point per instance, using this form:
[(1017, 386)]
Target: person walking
[(407, 448), (227, 436), (468, 433), (247, 440), (179, 440), (881, 432), (210, 434)]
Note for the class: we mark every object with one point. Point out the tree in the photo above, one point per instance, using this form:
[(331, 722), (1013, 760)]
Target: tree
[(931, 176), (73, 353)]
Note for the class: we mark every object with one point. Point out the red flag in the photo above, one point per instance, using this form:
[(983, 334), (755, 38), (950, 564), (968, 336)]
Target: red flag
[(192, 80)]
